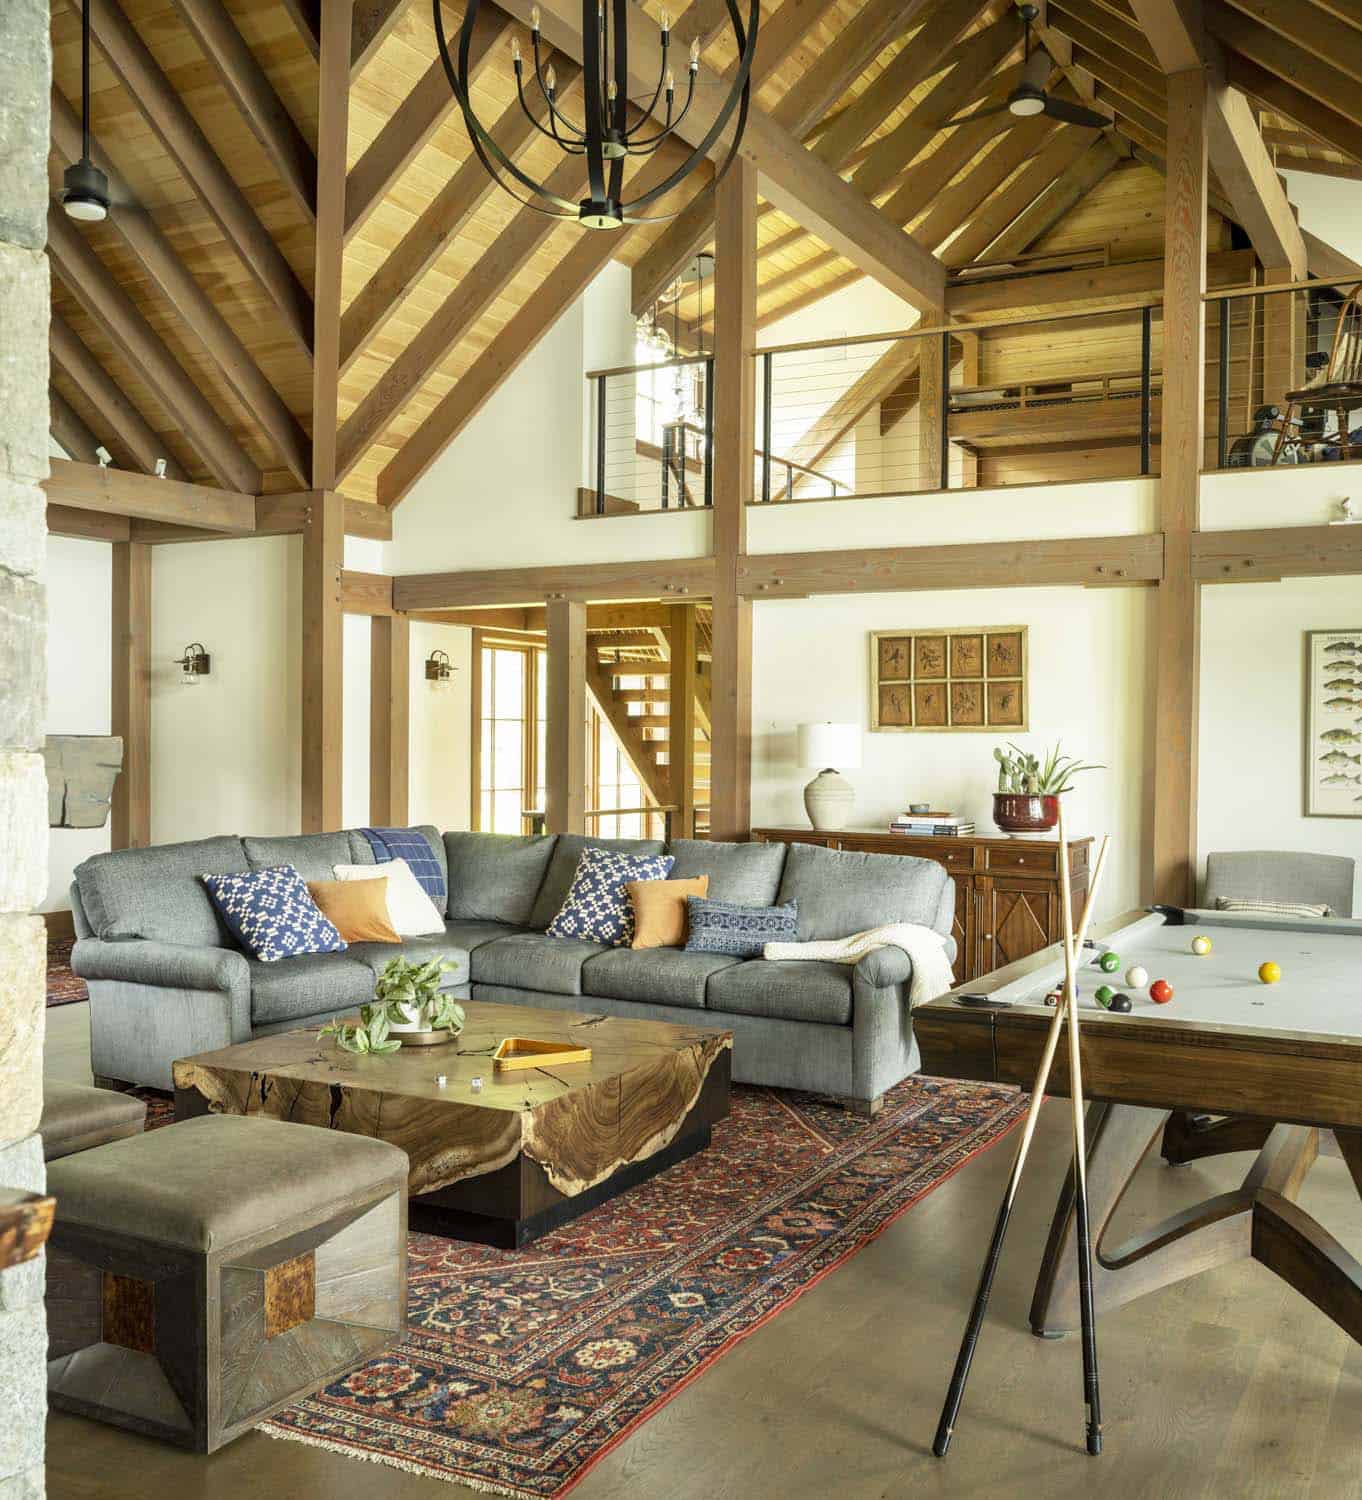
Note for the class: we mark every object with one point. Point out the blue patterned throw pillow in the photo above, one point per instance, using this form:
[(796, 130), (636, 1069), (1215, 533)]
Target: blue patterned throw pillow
[(272, 915), (740, 931), (598, 907)]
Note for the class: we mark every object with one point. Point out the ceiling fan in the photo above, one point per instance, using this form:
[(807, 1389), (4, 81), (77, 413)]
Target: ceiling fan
[(1029, 96), (85, 189)]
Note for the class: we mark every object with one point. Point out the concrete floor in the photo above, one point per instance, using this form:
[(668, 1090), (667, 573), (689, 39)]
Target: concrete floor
[(1227, 1386)]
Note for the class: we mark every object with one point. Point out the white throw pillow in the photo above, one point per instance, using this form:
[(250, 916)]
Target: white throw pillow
[(411, 912)]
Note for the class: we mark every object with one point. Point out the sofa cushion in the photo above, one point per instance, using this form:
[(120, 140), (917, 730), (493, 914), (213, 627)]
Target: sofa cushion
[(567, 850), (789, 990), (424, 852), (494, 877), (272, 914), (158, 893), (534, 961), (664, 976), (76, 1117), (470, 935), (296, 988), (598, 907), (745, 874), (417, 950), (841, 892), (358, 909), (314, 855), (741, 931)]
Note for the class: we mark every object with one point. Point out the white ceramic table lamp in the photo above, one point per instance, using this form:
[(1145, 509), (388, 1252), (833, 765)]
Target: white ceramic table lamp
[(828, 797)]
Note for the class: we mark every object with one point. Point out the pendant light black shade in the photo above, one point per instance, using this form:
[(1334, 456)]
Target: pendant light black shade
[(85, 189), (612, 127)]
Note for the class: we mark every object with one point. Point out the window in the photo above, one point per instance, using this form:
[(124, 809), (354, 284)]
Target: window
[(613, 783), (509, 735)]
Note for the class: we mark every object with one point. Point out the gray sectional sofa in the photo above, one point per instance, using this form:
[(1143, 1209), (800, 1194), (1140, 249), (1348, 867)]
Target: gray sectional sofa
[(166, 980)]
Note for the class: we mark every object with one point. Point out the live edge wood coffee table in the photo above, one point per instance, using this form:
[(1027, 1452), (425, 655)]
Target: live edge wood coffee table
[(527, 1151)]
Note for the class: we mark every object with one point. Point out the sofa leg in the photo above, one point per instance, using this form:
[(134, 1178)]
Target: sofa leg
[(866, 1108), (118, 1085)]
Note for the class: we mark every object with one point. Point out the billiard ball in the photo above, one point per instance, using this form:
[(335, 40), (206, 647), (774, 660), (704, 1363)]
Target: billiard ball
[(1269, 972), (1160, 992), (1104, 995), (1201, 946), (1121, 1004), (1137, 977), (1109, 962)]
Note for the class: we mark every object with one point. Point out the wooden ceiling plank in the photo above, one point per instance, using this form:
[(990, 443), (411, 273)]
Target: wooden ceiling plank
[(141, 76), (69, 429), (1136, 90), (793, 179), (1073, 184), (306, 15), (373, 20), (197, 310), (414, 122), (440, 222), (213, 28), (1317, 166), (120, 492), (88, 280), (954, 207), (127, 428), (333, 129)]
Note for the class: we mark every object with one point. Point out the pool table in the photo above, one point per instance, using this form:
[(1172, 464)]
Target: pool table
[(1230, 1063)]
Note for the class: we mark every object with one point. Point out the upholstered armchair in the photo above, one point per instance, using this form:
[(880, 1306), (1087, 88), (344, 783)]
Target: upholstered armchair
[(1270, 875)]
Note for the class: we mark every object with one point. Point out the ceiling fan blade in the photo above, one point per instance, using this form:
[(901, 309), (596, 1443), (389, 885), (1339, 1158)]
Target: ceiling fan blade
[(979, 114), (1075, 114)]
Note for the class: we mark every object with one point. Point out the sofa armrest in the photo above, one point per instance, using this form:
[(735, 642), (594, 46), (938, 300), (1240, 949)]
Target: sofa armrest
[(167, 965), (884, 967)]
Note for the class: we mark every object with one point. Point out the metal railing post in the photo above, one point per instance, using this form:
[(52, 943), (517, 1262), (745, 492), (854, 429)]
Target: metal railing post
[(600, 445), (1223, 411), (667, 444), (766, 429), (709, 431), (945, 411), (1146, 385)]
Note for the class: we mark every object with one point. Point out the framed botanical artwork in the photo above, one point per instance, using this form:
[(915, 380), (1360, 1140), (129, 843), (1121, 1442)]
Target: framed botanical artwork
[(1333, 723), (961, 679)]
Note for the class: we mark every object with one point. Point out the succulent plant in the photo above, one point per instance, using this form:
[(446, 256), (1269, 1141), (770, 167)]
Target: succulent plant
[(405, 991), (1020, 772)]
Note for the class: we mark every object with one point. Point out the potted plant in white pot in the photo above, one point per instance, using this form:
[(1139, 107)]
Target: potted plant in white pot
[(408, 1009), (1029, 789)]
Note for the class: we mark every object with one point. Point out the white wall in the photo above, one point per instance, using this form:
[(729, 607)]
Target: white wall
[(441, 724), (1089, 667), (79, 576), (1328, 207), (1252, 708)]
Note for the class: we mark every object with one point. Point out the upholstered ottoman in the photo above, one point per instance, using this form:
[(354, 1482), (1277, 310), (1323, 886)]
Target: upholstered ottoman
[(203, 1275), (77, 1117)]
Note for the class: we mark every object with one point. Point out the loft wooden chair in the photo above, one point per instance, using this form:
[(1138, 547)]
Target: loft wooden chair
[(1338, 386)]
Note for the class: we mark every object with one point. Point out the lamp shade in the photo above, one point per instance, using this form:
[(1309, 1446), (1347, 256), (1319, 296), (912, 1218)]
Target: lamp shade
[(837, 746)]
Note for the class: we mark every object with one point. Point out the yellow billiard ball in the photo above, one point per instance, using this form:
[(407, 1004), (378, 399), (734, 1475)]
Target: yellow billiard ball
[(1201, 946), (1269, 972)]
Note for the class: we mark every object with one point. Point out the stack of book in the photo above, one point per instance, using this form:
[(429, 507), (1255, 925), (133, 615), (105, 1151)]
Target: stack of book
[(945, 825)]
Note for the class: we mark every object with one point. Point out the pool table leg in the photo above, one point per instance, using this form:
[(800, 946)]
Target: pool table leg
[(1189, 1137)]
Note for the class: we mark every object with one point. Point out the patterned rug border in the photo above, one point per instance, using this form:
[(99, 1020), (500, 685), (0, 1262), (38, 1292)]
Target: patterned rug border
[(484, 1486)]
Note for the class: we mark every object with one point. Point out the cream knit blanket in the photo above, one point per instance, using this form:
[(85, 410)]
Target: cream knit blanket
[(925, 947)]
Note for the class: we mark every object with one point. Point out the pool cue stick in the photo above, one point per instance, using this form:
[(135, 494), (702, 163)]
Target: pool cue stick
[(956, 1391), (1082, 1238)]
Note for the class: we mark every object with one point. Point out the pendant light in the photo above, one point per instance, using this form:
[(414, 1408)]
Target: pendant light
[(85, 189), (612, 127)]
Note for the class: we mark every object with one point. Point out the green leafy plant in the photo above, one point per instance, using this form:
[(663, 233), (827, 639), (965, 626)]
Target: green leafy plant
[(1021, 772), (405, 992)]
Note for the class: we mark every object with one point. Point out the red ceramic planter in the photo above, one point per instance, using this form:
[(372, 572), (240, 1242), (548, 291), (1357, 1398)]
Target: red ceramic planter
[(1024, 812)]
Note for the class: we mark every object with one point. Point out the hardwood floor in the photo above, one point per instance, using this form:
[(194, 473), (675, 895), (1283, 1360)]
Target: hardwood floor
[(1228, 1385)]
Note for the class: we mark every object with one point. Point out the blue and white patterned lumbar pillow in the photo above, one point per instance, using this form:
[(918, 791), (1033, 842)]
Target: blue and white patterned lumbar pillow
[(272, 915), (740, 931), (598, 907)]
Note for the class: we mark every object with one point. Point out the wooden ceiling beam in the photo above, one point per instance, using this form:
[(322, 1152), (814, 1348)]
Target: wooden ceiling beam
[(1115, 32), (689, 577), (373, 20), (414, 122), (440, 222), (1314, 30), (213, 28), (955, 207), (87, 279), (87, 525), (68, 427), (127, 430), (306, 16), (147, 85), (1285, 99), (198, 311), (1327, 263), (1072, 185), (333, 129), (120, 492), (1317, 166)]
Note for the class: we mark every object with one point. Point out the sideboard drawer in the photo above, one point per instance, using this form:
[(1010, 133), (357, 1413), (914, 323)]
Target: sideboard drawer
[(1025, 858), (954, 858)]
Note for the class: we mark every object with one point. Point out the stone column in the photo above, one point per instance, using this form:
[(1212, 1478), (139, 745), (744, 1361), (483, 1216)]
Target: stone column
[(25, 76)]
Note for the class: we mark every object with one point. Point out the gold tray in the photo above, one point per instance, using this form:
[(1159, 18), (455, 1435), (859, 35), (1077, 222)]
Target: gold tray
[(525, 1052)]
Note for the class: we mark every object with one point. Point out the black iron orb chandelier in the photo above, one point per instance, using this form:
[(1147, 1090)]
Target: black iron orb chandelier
[(612, 127)]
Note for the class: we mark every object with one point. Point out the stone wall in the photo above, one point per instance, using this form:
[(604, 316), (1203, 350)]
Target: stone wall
[(25, 74)]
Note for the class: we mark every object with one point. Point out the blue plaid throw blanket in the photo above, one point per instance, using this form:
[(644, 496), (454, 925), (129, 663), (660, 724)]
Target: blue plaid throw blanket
[(413, 846)]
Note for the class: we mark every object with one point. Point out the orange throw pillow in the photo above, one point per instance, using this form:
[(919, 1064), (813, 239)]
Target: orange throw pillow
[(660, 910), (357, 908)]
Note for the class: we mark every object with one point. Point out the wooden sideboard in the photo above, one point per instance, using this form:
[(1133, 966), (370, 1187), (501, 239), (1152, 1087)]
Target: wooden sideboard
[(1007, 896)]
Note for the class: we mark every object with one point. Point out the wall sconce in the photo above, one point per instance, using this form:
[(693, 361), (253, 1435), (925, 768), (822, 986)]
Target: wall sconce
[(195, 663), (439, 668)]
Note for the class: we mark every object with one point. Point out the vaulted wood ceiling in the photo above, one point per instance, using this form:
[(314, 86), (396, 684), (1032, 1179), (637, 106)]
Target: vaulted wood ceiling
[(184, 326)]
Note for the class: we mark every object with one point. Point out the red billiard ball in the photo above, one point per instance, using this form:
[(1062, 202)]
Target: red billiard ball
[(1160, 992)]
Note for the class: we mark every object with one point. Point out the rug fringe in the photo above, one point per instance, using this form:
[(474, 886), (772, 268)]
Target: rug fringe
[(391, 1461)]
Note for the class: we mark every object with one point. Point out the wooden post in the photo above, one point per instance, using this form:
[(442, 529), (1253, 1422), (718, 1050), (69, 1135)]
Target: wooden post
[(735, 415), (130, 695), (565, 737), (333, 125), (1182, 446), (323, 652), (969, 375), (1283, 338), (389, 719), (931, 399), (681, 719)]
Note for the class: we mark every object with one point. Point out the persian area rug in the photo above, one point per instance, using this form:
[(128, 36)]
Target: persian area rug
[(522, 1369), (63, 987)]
